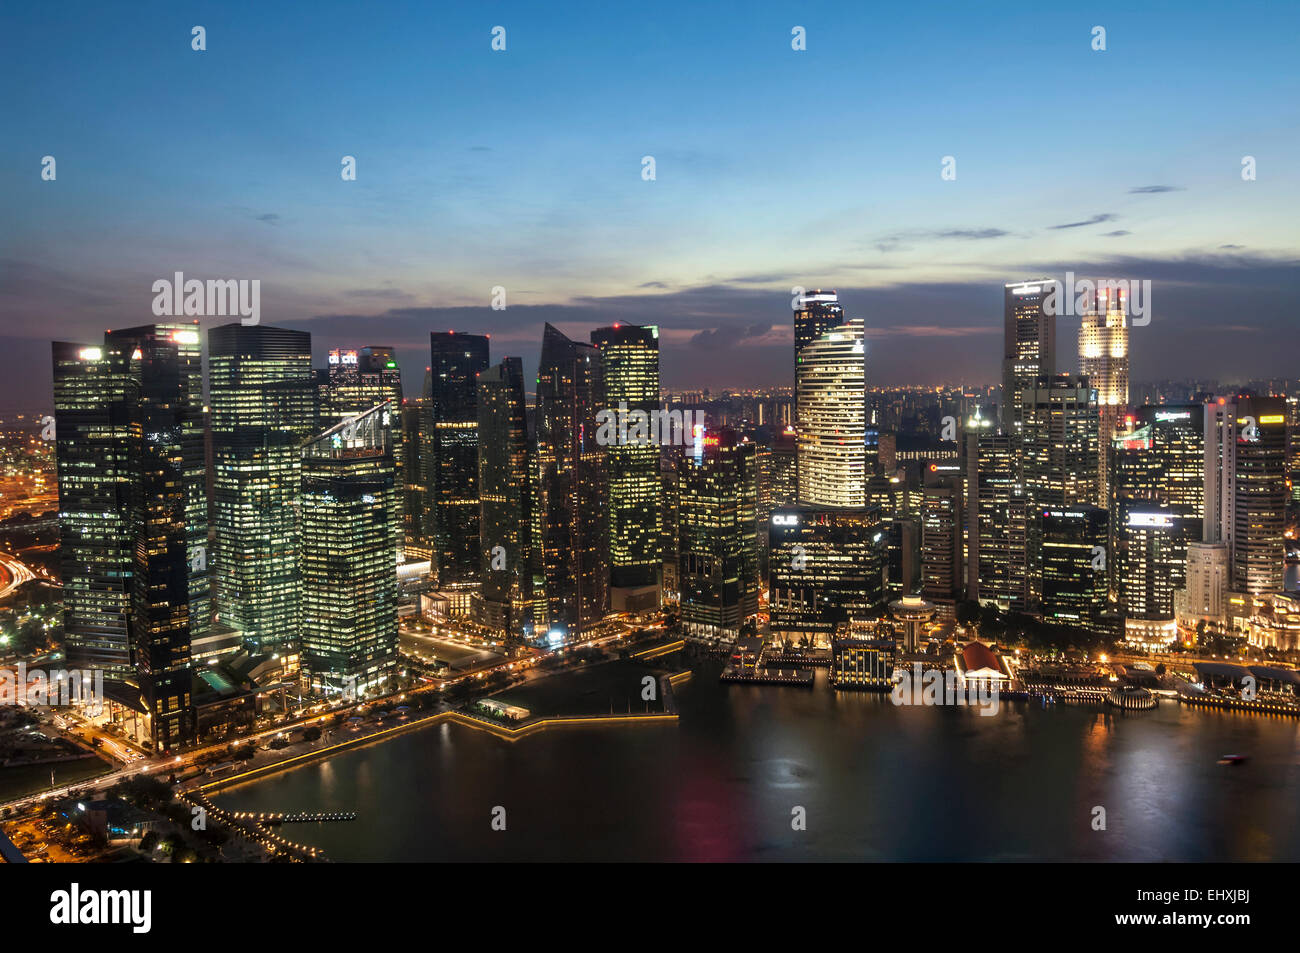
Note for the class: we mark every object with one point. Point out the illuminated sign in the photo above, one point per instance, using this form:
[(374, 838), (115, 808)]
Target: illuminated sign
[(1150, 519), (1173, 415), (90, 354), (785, 519), (1271, 419)]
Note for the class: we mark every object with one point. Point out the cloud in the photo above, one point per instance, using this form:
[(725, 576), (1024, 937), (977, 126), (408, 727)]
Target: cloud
[(1118, 233), (271, 218), (1095, 220), (1153, 189)]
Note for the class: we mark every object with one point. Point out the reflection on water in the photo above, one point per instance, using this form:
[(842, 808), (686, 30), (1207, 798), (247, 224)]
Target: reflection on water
[(877, 782)]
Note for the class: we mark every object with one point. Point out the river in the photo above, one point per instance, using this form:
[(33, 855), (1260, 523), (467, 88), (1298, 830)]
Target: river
[(875, 782)]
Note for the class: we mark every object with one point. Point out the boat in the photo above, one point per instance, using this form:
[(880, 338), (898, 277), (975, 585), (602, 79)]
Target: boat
[(1233, 759)]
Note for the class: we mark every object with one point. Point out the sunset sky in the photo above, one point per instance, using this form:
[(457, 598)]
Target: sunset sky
[(775, 168)]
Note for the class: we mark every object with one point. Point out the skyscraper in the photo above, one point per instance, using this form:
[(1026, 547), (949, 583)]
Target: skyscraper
[(358, 380), (1075, 570), (572, 488), (718, 526), (1254, 507), (816, 312), (505, 468), (998, 518), (630, 355), (350, 528), (1103, 359), (941, 542), (826, 568), (1028, 345), (452, 464), (830, 383), (1059, 441), (263, 399), (130, 462)]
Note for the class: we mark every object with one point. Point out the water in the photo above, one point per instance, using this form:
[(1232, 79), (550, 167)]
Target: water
[(877, 782)]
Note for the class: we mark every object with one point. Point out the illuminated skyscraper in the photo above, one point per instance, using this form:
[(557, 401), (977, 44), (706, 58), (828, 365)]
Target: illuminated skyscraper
[(1028, 348), (350, 528), (357, 380), (505, 468), (1152, 542), (452, 464), (263, 405), (1059, 442), (132, 517), (1103, 359), (816, 312), (826, 567), (630, 356), (718, 527), (1075, 571), (941, 542), (830, 383), (572, 490), (998, 518)]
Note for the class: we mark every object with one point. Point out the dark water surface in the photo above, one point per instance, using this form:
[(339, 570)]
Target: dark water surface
[(878, 782)]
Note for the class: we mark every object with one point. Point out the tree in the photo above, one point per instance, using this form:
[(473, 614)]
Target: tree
[(968, 612), (149, 842)]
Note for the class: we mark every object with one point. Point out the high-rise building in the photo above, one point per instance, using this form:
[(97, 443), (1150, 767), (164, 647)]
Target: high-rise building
[(1075, 572), (1029, 345), (1204, 597), (263, 408), (357, 380), (1152, 543), (830, 381), (572, 510), (1059, 442), (826, 567), (1103, 359), (998, 518), (350, 528), (452, 463), (630, 355), (1255, 511), (717, 521), (505, 467), (942, 583), (815, 313), (129, 449)]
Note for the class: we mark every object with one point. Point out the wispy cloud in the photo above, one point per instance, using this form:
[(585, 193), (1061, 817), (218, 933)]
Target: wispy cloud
[(1095, 220)]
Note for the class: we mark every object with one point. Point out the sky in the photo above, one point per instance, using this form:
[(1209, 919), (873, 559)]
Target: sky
[(774, 168)]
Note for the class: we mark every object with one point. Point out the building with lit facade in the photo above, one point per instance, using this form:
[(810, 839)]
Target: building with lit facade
[(997, 522), (863, 663), (942, 521), (451, 466), (132, 517), (630, 355), (350, 528), (262, 397), (815, 313), (718, 548), (357, 379), (1076, 541), (1104, 361), (1060, 442), (826, 566), (1203, 597), (1152, 542), (830, 381), (1028, 346), (573, 488), (1255, 493), (505, 465)]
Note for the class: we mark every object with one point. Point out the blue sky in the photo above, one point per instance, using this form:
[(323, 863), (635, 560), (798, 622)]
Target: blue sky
[(523, 169)]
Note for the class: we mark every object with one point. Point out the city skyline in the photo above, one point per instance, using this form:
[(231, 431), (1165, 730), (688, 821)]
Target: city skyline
[(512, 186)]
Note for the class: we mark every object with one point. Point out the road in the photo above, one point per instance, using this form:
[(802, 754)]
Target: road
[(13, 574)]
